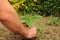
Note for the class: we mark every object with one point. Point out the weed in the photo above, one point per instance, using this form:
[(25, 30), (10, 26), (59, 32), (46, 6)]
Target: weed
[(30, 19)]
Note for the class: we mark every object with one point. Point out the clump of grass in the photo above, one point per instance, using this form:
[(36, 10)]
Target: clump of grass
[(53, 21), (40, 29)]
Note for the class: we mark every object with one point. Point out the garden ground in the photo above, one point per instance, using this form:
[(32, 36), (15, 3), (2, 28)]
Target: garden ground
[(50, 32)]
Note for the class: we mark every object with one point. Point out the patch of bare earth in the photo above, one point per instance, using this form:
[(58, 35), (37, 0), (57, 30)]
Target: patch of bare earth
[(50, 32), (6, 34)]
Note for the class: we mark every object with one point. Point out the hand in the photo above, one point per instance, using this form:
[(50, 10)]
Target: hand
[(32, 32)]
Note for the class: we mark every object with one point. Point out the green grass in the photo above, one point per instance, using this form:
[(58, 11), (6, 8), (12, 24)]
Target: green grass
[(53, 21)]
